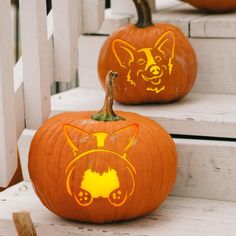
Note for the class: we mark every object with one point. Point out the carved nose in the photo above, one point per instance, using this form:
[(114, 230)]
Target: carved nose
[(155, 70)]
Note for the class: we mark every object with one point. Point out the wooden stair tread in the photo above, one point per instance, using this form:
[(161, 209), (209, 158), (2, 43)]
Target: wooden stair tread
[(197, 114), (177, 216)]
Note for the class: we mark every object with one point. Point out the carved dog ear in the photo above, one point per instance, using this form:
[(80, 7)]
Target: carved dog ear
[(123, 139), (74, 135), (124, 52), (166, 45)]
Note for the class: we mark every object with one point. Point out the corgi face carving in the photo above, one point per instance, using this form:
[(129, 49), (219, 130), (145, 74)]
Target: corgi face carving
[(148, 64), (100, 168)]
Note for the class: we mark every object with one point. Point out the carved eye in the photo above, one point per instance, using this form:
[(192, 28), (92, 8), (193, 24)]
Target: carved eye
[(158, 58), (141, 61)]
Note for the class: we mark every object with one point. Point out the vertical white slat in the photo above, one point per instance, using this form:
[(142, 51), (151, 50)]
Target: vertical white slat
[(93, 15), (164, 4), (67, 21), (8, 140), (19, 97), (36, 64), (127, 7)]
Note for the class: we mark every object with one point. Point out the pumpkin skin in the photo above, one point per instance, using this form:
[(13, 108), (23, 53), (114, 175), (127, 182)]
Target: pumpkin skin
[(213, 5), (102, 167), (151, 158), (156, 63)]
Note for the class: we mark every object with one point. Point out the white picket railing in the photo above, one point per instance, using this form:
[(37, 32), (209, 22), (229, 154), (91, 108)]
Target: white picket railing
[(8, 140), (49, 47), (49, 53)]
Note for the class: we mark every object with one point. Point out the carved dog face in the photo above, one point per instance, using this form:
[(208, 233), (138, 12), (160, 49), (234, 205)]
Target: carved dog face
[(148, 64)]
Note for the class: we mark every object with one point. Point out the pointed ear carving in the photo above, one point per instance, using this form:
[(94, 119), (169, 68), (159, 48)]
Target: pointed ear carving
[(125, 137), (73, 134), (124, 52), (166, 45)]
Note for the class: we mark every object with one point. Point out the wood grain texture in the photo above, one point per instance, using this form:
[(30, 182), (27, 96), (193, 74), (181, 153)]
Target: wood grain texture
[(88, 53), (206, 169), (177, 216), (197, 114), (36, 64), (67, 19), (127, 7), (216, 65), (179, 16), (8, 136), (214, 26), (19, 98), (112, 22), (23, 223), (93, 12)]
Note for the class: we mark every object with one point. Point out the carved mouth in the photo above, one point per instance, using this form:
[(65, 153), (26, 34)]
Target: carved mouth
[(156, 90), (155, 80)]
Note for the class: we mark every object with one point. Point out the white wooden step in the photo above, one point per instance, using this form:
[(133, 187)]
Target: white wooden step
[(177, 216), (192, 22), (196, 114), (206, 168)]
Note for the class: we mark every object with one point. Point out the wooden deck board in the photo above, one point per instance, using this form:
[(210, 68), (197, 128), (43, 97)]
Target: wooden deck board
[(197, 114), (177, 216)]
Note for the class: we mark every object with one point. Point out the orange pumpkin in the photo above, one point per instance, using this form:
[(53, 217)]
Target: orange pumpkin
[(156, 63), (102, 167), (214, 5)]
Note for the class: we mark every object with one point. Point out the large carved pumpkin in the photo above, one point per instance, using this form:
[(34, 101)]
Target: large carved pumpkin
[(214, 5), (156, 63), (102, 168)]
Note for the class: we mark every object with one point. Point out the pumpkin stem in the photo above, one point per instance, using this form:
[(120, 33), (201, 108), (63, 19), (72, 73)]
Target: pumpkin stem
[(144, 13), (107, 113)]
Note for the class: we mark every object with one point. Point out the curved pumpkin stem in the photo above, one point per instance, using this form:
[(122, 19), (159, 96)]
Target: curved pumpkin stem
[(107, 113), (144, 13)]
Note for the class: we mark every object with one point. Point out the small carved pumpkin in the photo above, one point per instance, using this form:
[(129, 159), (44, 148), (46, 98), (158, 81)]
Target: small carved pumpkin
[(156, 63), (102, 168), (214, 5)]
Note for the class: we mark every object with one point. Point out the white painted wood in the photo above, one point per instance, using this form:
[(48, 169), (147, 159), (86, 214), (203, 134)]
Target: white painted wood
[(36, 65), (23, 147), (177, 216), (165, 4), (214, 26), (8, 139), (67, 19), (89, 47), (93, 15), (196, 114), (127, 7), (19, 97), (179, 15), (18, 81), (216, 65), (206, 169), (112, 22), (50, 47)]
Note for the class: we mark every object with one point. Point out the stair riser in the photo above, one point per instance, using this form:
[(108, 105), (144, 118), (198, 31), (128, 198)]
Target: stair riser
[(206, 169), (216, 64)]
